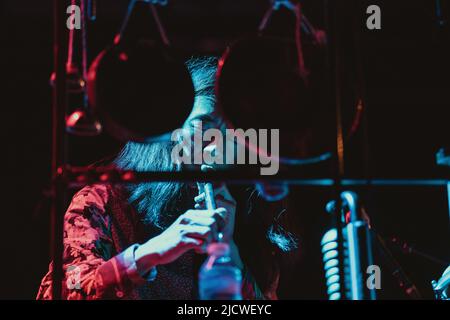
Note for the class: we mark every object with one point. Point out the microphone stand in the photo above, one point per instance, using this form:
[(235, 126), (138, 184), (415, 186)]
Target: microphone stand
[(357, 229), (334, 32), (58, 145), (396, 270)]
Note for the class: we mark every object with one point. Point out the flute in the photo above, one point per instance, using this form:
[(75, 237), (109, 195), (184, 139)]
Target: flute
[(210, 202)]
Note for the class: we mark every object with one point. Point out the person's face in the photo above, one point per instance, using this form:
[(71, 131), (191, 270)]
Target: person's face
[(204, 115)]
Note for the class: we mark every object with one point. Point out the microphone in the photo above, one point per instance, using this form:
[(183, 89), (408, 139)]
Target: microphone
[(356, 256), (358, 244)]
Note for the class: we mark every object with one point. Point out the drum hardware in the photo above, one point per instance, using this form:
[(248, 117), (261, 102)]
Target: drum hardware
[(442, 286), (132, 109)]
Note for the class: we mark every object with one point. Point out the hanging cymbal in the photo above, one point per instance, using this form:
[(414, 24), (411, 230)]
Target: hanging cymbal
[(259, 86), (140, 88), (140, 92)]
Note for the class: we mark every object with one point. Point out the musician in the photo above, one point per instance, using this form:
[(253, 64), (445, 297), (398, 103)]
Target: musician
[(147, 241)]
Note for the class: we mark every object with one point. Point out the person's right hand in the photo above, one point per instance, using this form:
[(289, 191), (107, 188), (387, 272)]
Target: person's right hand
[(192, 230)]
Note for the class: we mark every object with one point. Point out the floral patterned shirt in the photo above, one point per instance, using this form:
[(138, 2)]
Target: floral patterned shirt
[(101, 233)]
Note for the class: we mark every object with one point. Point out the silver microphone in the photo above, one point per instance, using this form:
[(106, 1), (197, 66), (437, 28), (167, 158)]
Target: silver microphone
[(356, 256)]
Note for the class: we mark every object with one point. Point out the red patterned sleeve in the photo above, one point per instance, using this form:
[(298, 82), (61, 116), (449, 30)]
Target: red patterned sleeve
[(92, 268)]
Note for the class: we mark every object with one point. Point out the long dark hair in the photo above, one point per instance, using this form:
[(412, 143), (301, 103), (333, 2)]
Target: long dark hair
[(157, 203)]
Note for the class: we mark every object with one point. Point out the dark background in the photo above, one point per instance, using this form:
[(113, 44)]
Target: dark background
[(406, 70)]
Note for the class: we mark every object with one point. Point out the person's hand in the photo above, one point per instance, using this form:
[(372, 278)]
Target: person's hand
[(192, 230), (223, 199)]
